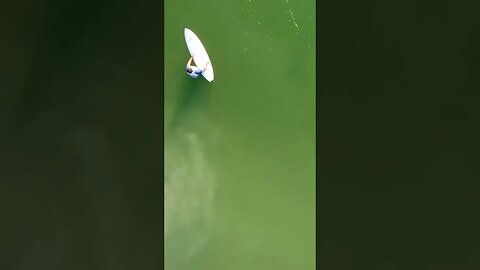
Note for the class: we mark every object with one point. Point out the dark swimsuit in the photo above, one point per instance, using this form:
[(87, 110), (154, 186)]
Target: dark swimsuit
[(193, 71)]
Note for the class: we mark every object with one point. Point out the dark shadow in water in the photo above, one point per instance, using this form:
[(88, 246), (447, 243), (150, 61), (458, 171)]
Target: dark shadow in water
[(193, 96)]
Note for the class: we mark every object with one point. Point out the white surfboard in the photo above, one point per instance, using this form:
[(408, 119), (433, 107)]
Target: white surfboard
[(199, 54)]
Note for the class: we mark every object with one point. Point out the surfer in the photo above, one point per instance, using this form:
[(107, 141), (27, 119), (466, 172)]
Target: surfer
[(194, 71)]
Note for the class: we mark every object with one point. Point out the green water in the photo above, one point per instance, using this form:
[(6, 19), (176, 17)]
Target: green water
[(240, 151)]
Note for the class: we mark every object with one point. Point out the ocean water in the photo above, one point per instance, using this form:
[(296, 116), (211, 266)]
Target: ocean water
[(240, 151)]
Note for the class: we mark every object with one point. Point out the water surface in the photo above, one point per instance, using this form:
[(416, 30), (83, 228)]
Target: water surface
[(240, 151)]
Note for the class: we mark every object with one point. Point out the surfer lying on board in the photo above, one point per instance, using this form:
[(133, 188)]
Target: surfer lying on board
[(194, 71)]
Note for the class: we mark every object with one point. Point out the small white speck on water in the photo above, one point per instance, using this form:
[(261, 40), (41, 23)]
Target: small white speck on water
[(244, 49), (271, 32), (258, 22)]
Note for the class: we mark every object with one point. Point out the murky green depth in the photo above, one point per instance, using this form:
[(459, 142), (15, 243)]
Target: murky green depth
[(240, 151)]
